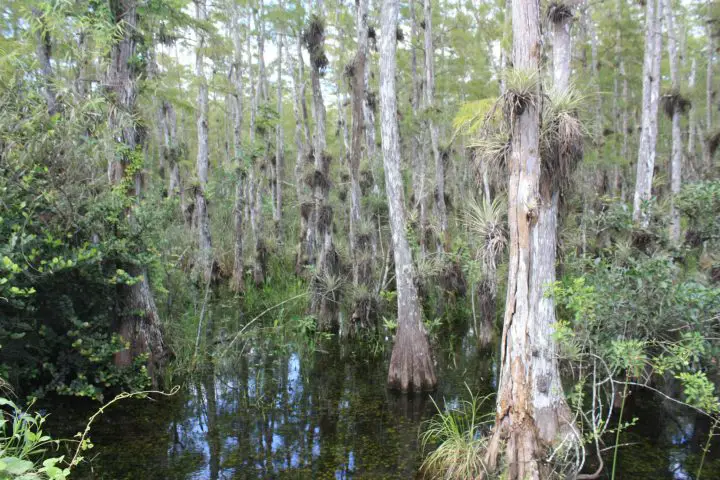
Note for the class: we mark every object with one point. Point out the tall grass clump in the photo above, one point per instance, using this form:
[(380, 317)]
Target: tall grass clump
[(458, 432)]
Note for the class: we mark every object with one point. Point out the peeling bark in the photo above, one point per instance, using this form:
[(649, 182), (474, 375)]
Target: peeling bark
[(531, 409)]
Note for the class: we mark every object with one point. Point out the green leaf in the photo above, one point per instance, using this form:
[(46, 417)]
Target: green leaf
[(16, 466)]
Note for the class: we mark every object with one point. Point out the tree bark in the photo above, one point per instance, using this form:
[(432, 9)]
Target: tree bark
[(411, 363), (625, 148), (692, 124), (418, 158), (531, 409), (324, 302), (360, 233), (279, 142), (677, 147), (43, 50), (139, 322), (259, 165), (440, 207), (650, 100), (205, 258), (302, 145), (237, 281), (709, 92)]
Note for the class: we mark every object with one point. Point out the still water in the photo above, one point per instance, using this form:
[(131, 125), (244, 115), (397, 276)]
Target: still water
[(279, 411)]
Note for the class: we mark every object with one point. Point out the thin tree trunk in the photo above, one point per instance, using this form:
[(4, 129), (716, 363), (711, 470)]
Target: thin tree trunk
[(419, 159), (617, 117), (709, 93), (411, 363), (174, 151), (302, 139), (303, 93), (258, 167), (360, 233), (625, 149), (325, 301), (692, 125), (530, 401), (43, 50), (82, 77), (374, 160), (651, 97), (139, 323), (279, 143), (205, 259), (677, 147), (237, 281), (440, 207), (507, 12)]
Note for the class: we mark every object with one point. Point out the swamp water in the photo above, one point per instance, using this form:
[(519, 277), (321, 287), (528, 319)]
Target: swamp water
[(283, 410)]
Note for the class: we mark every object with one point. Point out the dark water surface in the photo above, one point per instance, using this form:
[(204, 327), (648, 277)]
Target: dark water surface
[(283, 412)]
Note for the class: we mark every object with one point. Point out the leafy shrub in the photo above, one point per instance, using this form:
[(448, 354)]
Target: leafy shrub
[(66, 241), (23, 445)]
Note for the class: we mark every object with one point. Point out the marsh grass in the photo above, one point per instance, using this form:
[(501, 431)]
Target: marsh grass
[(459, 433)]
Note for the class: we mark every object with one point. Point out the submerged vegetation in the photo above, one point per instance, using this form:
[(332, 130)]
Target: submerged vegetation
[(480, 194)]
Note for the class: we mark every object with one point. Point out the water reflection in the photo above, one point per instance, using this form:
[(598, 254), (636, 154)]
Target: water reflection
[(279, 412)]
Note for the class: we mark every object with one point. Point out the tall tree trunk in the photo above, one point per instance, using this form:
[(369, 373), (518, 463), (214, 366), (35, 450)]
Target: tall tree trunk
[(625, 148), (302, 161), (43, 50), (139, 322), (675, 109), (279, 143), (175, 185), (259, 167), (531, 409), (411, 363), (709, 99), (692, 124), (651, 97), (360, 233), (419, 159), (237, 281), (709, 91), (620, 133), (440, 207), (205, 258), (325, 302), (375, 163)]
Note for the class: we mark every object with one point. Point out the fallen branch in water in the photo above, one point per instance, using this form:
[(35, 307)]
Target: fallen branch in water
[(242, 330), (82, 443)]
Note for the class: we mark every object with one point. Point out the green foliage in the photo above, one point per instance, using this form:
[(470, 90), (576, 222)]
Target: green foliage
[(67, 243), (699, 391), (700, 203), (23, 445)]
